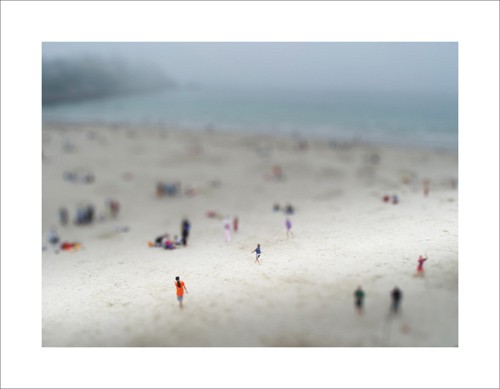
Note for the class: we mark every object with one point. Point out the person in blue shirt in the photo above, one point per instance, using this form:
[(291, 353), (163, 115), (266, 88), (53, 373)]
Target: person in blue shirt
[(257, 252)]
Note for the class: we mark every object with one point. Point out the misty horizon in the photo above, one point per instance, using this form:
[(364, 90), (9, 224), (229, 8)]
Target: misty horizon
[(412, 68)]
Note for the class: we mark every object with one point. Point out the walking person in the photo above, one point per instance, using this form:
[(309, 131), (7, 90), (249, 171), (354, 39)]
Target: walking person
[(257, 252), (235, 224), (420, 267), (227, 229), (359, 296), (396, 296), (180, 289), (288, 225), (185, 228), (53, 238)]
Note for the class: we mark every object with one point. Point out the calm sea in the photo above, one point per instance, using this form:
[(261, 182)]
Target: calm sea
[(389, 117)]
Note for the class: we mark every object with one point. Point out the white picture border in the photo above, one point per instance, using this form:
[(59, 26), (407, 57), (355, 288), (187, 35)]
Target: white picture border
[(25, 25)]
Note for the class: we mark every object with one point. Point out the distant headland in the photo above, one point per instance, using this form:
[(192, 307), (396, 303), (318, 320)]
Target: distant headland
[(70, 80)]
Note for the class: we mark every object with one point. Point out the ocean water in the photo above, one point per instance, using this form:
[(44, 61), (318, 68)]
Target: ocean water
[(423, 120)]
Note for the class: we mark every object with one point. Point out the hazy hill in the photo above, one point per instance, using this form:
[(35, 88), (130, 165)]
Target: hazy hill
[(65, 80)]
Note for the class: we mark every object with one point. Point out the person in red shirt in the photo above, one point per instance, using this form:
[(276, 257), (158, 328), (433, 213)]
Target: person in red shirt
[(235, 224), (180, 287), (420, 267)]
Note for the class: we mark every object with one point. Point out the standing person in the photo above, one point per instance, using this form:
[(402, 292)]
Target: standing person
[(359, 296), (227, 229), (288, 225), (90, 214), (420, 267), (180, 288), (425, 186), (63, 216), (257, 252), (235, 224), (185, 228), (396, 296), (53, 237), (114, 208)]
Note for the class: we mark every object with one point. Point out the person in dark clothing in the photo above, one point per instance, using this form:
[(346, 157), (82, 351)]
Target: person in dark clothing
[(396, 296), (159, 240), (359, 296), (185, 231), (91, 214)]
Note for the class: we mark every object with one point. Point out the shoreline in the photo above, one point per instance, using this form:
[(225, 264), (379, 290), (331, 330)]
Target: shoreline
[(334, 140)]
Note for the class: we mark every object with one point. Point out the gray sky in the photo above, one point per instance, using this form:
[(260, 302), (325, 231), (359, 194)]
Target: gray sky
[(414, 67)]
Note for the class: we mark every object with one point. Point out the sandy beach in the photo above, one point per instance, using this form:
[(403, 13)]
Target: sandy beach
[(117, 291)]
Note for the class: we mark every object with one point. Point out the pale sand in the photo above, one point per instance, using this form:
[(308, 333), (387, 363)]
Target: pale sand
[(118, 292)]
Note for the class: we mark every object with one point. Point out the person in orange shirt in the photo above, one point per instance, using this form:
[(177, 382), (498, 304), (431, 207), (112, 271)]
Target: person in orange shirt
[(179, 285)]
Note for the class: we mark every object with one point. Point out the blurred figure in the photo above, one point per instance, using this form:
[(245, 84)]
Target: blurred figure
[(289, 210), (63, 216), (67, 246), (359, 296), (288, 225), (168, 189), (227, 229), (235, 224), (420, 267), (168, 244), (90, 213), (277, 172), (185, 228), (257, 252), (113, 207), (395, 199), (212, 214), (425, 186), (276, 207), (396, 296), (85, 214), (303, 145), (177, 240), (53, 237), (158, 242), (87, 178), (80, 215), (180, 288)]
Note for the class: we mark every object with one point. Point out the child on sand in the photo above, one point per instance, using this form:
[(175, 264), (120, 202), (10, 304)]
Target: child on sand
[(180, 288), (257, 252), (420, 267), (359, 296), (235, 224)]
